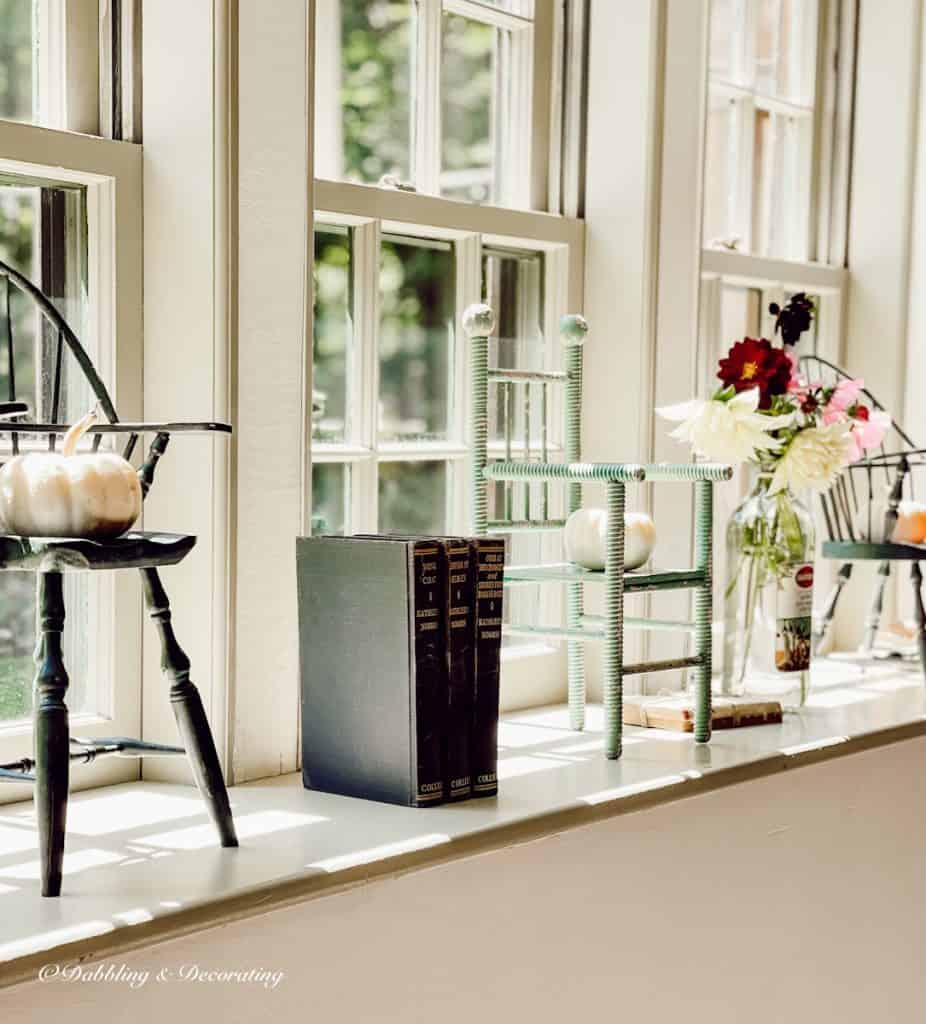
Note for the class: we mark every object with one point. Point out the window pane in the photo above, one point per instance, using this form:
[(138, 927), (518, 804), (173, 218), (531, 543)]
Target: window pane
[(332, 333), (757, 166), (763, 172), (513, 287), (720, 171), (329, 497), (43, 235), (469, 115), (767, 40), (416, 338), (363, 72), (413, 497), (18, 60), (781, 58), (28, 214), (740, 314), (723, 29)]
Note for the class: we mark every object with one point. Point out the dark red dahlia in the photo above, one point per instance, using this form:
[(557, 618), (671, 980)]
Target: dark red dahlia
[(758, 364)]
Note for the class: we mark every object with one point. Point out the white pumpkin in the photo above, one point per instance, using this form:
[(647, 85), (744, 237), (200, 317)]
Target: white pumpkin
[(586, 537), (95, 495)]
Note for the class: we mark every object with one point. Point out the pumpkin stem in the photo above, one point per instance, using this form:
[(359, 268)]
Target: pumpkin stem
[(77, 431)]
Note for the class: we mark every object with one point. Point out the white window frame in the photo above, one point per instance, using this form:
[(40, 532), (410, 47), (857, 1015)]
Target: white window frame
[(111, 172)]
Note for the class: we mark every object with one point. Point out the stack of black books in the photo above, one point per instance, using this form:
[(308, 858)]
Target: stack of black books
[(400, 640)]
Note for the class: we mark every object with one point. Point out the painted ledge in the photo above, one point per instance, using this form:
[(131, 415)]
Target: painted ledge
[(142, 864)]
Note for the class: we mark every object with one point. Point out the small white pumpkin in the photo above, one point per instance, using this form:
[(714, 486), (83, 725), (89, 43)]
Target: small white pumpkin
[(94, 495), (586, 537)]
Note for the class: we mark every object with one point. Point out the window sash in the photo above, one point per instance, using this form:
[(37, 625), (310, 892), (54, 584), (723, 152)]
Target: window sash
[(419, 216), (111, 173), (755, 208), (526, 145)]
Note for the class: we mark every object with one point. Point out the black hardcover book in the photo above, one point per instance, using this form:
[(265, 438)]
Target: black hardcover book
[(461, 657), (490, 567), (372, 659), (459, 556)]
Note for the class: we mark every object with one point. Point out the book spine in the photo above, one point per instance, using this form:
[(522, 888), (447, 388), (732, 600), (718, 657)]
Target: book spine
[(430, 673), (461, 668), (490, 567)]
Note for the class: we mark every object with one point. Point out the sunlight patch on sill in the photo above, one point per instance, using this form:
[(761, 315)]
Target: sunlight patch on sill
[(841, 698), (118, 812), (803, 748), (137, 915), (80, 860), (261, 823), (375, 853), (15, 840), (620, 792), (585, 747), (51, 939), (517, 734), (515, 767)]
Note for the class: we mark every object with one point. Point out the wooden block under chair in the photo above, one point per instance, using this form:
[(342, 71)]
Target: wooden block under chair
[(677, 712)]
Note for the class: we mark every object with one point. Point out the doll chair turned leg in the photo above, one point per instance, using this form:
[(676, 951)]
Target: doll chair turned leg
[(52, 739), (189, 712)]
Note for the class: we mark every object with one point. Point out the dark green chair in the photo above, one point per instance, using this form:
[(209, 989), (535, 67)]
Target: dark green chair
[(49, 558), (869, 490)]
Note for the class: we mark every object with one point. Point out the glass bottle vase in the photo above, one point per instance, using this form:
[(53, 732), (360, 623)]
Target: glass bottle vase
[(768, 597)]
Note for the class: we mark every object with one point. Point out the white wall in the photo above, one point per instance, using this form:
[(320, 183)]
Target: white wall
[(797, 897), (272, 377), (227, 219), (884, 182), (185, 365)]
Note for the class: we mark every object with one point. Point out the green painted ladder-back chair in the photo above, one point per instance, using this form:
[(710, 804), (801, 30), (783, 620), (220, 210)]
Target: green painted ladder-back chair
[(479, 323), (55, 748)]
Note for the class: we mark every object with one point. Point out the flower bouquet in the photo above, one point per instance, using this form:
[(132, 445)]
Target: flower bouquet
[(799, 434)]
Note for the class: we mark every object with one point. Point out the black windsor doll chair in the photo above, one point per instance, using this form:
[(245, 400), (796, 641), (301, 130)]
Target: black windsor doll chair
[(49, 558)]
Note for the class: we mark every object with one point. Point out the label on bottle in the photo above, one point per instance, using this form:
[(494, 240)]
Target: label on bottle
[(794, 619)]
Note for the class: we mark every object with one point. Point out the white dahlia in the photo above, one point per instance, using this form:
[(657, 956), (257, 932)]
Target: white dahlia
[(814, 458), (732, 431)]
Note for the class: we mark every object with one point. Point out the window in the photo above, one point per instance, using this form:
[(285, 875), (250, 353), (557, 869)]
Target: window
[(438, 95), (70, 220), (760, 126), (770, 183), (390, 382)]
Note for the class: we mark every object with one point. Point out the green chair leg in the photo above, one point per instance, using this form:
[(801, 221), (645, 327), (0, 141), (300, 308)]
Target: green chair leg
[(576, 661), (614, 622), (704, 514)]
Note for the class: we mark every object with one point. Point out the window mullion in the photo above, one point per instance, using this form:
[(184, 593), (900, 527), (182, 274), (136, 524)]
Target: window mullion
[(514, 114), (364, 372), (426, 161), (746, 176), (468, 253)]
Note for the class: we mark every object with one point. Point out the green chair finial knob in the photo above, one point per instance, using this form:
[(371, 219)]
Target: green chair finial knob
[(573, 328), (478, 320)]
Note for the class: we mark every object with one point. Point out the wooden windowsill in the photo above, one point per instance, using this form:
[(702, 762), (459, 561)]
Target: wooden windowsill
[(142, 863)]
